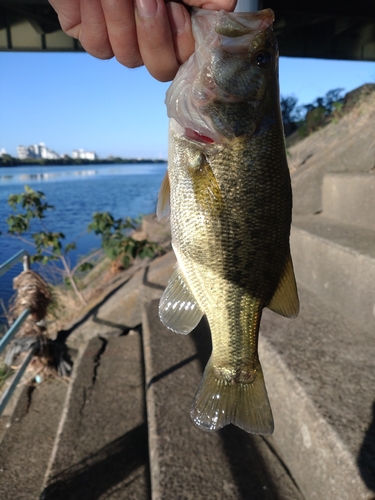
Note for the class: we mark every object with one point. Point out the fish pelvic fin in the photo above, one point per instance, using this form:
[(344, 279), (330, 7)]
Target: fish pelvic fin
[(219, 403), (285, 300), (163, 206), (178, 309)]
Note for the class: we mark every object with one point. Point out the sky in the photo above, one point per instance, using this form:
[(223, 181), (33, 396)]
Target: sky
[(72, 100)]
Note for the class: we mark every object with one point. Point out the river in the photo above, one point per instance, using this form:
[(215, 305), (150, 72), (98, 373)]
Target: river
[(76, 193)]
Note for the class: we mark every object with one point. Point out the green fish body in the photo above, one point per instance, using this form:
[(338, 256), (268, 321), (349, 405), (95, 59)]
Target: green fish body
[(230, 198)]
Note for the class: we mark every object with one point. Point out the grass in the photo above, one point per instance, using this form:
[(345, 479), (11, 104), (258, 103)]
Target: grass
[(5, 372)]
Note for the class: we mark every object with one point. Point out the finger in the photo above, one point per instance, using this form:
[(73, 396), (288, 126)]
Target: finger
[(180, 22), (227, 5), (155, 39), (94, 36), (69, 13), (122, 32)]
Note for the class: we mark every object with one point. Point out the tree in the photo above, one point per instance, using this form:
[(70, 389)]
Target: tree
[(30, 207), (288, 107), (117, 242), (291, 113), (309, 117), (7, 160)]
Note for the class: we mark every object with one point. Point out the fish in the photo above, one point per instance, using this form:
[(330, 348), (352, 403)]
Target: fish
[(228, 194)]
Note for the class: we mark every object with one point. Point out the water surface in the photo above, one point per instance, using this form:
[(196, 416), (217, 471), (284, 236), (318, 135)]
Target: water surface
[(77, 192)]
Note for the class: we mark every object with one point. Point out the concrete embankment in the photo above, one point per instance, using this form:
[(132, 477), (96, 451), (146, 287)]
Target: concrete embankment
[(122, 428)]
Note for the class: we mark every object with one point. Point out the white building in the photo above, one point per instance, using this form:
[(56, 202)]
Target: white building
[(25, 153), (83, 155), (2, 152), (47, 153), (36, 151)]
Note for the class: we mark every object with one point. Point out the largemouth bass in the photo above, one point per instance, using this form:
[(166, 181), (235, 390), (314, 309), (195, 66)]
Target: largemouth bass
[(230, 198)]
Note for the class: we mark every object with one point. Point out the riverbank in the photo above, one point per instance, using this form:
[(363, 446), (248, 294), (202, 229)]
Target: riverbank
[(107, 275), (9, 161), (76, 192)]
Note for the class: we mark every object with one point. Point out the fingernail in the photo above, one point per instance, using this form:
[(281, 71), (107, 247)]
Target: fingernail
[(147, 8), (177, 17)]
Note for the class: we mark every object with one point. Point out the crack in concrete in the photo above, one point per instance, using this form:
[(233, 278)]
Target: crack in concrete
[(85, 399), (30, 391), (88, 390), (274, 451), (97, 358)]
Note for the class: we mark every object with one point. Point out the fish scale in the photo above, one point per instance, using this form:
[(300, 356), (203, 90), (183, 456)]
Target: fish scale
[(230, 199)]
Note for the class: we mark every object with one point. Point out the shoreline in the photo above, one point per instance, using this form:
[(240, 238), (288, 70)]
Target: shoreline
[(62, 162)]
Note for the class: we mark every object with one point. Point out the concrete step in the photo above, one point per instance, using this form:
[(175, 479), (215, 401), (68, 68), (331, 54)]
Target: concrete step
[(320, 376), (337, 262), (350, 198), (186, 462), (119, 308), (58, 439), (28, 439), (346, 146), (101, 448)]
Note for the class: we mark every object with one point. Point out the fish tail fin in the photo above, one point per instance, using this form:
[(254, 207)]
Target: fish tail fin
[(218, 403)]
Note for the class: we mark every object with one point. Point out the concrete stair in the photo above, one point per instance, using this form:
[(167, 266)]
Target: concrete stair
[(88, 439), (320, 376), (186, 462), (101, 449), (350, 198), (28, 439), (336, 261), (330, 348), (334, 252), (122, 428)]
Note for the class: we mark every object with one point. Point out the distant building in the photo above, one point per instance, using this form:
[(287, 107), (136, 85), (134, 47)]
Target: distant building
[(81, 154), (24, 153), (36, 151), (46, 153), (2, 152)]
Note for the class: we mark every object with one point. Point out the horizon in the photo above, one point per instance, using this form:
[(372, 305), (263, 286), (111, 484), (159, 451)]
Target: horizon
[(101, 106), (70, 157)]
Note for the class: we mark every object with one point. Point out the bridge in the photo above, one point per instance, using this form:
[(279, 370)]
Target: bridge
[(328, 29)]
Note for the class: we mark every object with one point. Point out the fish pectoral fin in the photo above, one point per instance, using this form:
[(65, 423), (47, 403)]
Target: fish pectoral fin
[(163, 207), (219, 403), (178, 309), (206, 188), (285, 300)]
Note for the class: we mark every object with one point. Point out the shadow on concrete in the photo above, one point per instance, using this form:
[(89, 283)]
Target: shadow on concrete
[(366, 456), (172, 369), (107, 470), (93, 313), (64, 334), (148, 283), (249, 469)]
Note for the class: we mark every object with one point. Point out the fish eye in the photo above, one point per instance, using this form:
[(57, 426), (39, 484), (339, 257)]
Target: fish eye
[(263, 59)]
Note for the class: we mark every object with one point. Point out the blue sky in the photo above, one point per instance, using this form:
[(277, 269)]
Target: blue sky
[(70, 101)]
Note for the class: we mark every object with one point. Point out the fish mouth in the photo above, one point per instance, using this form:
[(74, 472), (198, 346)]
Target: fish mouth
[(195, 86), (195, 135)]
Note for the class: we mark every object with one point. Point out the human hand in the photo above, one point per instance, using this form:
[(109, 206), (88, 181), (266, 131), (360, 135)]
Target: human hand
[(136, 32)]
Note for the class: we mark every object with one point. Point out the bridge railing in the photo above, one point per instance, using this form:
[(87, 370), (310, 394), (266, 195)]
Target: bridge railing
[(7, 394)]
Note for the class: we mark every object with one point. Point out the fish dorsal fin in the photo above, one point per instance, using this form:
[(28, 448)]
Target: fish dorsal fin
[(163, 206), (285, 299), (178, 309)]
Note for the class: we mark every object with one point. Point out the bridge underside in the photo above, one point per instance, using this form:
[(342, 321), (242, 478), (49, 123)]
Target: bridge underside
[(329, 29)]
